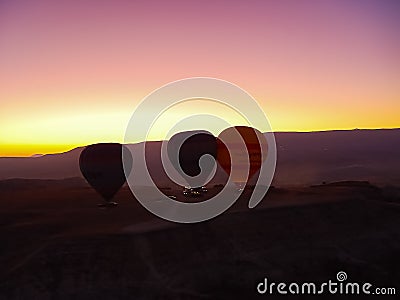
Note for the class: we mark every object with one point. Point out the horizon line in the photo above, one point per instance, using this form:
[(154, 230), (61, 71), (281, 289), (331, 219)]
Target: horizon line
[(37, 155)]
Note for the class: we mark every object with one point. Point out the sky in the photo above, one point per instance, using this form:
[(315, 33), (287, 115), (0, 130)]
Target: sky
[(72, 72)]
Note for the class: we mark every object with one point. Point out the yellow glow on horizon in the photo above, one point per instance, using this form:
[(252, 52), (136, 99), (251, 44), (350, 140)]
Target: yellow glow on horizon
[(59, 130), (26, 150)]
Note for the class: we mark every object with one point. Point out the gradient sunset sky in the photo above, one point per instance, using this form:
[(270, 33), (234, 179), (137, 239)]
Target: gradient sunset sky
[(72, 72)]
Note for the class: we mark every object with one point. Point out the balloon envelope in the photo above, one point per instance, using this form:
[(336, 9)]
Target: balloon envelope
[(186, 148), (102, 167), (234, 144)]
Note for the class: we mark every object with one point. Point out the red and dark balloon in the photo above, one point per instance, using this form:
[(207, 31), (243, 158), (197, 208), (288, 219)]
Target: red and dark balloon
[(234, 144)]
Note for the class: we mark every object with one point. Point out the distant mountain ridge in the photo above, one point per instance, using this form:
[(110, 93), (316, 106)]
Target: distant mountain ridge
[(302, 158)]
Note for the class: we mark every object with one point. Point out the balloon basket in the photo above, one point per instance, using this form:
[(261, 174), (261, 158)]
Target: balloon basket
[(107, 205)]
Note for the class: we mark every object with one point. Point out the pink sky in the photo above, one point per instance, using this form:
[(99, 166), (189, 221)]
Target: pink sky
[(312, 65)]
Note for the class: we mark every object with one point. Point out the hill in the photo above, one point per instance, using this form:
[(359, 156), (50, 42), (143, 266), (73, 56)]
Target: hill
[(302, 159)]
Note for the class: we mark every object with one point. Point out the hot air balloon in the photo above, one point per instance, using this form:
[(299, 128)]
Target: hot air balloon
[(185, 150), (243, 148), (103, 169)]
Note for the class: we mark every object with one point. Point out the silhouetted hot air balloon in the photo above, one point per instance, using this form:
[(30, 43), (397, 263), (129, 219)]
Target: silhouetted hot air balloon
[(103, 168), (254, 143), (186, 148)]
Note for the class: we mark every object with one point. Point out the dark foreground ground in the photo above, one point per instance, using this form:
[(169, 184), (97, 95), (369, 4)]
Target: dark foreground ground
[(56, 244)]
